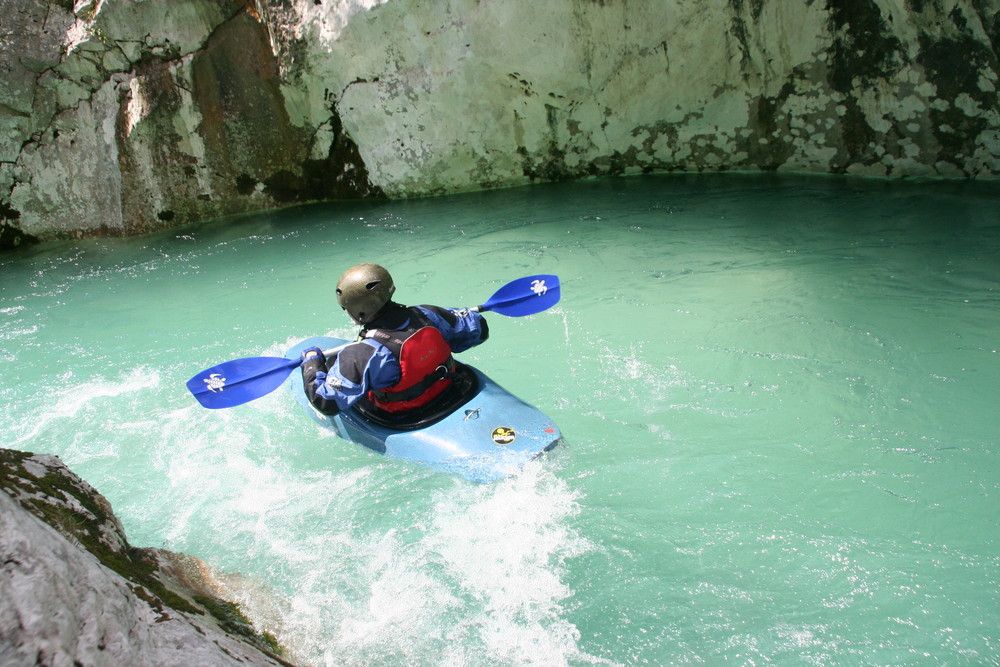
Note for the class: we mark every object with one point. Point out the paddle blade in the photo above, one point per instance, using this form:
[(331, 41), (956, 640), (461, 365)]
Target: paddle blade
[(525, 296), (239, 381)]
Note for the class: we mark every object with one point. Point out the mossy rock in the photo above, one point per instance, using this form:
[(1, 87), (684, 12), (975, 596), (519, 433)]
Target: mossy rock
[(44, 486)]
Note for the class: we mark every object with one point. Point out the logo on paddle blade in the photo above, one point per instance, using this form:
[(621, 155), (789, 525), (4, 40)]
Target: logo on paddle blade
[(503, 435), (538, 287), (215, 383)]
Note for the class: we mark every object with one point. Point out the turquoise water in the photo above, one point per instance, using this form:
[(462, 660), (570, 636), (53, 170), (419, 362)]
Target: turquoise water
[(779, 396)]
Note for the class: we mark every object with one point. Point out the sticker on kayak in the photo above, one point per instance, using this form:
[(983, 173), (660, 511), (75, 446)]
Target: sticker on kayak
[(503, 435)]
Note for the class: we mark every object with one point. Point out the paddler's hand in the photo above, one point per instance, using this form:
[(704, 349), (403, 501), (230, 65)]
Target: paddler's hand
[(313, 359), (311, 352)]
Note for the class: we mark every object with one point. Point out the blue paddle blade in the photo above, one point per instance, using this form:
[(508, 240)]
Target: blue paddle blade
[(239, 381), (525, 296)]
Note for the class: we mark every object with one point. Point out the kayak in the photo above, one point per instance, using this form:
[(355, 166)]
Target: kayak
[(476, 429)]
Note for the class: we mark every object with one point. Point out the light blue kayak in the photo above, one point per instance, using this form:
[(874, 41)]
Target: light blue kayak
[(481, 431)]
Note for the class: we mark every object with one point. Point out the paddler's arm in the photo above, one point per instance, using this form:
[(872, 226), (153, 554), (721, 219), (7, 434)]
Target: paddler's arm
[(356, 369), (314, 373), (461, 327)]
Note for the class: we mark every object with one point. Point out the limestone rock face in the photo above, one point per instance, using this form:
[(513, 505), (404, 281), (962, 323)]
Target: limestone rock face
[(122, 116), (126, 116), (75, 592)]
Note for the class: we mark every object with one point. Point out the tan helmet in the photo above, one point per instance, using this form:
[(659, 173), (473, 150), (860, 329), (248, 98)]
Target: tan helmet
[(363, 290)]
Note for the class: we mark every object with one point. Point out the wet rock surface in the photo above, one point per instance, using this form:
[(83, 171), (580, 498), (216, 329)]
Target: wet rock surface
[(75, 591)]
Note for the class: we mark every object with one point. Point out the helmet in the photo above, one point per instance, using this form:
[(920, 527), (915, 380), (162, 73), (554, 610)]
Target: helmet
[(363, 290)]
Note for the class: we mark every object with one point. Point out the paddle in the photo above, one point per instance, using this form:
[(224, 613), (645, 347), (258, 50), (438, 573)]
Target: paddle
[(525, 296), (242, 380)]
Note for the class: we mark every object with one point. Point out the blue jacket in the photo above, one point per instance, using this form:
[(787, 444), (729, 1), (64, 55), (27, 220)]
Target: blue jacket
[(367, 364)]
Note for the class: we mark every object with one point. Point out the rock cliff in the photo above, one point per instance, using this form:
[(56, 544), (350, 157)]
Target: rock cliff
[(124, 116), (74, 592)]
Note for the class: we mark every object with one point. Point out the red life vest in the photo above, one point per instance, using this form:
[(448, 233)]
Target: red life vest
[(426, 366)]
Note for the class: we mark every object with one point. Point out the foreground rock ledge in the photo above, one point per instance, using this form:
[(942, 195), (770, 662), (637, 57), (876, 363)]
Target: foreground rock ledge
[(73, 591)]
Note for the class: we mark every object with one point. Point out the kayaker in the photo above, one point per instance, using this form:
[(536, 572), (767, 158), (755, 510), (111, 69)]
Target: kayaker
[(402, 359)]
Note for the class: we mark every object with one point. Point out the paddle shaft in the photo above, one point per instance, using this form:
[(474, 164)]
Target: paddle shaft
[(334, 350)]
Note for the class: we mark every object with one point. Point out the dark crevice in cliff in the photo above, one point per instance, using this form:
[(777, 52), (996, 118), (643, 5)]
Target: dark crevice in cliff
[(769, 121), (756, 7), (857, 137), (955, 66), (740, 30), (12, 237), (343, 174), (954, 62), (864, 50), (245, 124), (343, 91), (991, 23)]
